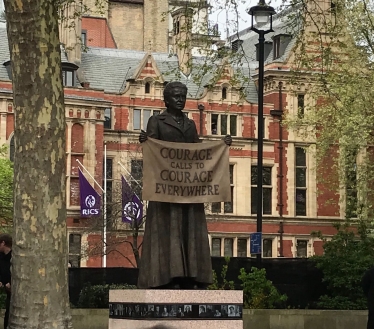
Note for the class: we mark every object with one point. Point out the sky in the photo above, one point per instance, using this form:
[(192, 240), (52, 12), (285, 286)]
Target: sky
[(222, 16), (228, 18)]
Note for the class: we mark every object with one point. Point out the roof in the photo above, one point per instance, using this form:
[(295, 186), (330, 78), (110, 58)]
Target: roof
[(250, 38), (4, 52), (110, 69)]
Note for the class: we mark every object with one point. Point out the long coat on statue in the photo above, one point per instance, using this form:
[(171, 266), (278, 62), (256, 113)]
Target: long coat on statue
[(175, 243)]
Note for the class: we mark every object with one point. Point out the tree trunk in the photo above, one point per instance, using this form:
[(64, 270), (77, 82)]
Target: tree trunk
[(39, 272)]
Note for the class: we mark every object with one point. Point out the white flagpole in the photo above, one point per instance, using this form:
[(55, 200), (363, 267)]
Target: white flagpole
[(124, 168), (80, 163), (104, 226)]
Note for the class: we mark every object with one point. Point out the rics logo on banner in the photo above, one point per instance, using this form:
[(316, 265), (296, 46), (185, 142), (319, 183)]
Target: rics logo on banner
[(131, 211), (90, 203)]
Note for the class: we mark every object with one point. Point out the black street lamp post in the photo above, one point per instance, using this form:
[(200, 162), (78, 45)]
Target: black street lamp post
[(262, 14)]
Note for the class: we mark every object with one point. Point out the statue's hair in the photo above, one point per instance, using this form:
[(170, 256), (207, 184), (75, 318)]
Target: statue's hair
[(174, 84)]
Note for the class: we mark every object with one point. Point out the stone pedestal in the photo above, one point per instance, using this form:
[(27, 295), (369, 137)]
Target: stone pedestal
[(175, 309)]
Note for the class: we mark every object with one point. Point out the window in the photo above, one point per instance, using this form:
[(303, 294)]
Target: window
[(242, 247), (84, 38), (228, 207), (235, 45), (147, 88), (109, 186), (276, 47), (11, 149), (333, 6), (216, 247), (68, 78), (266, 190), (263, 127), (136, 176), (75, 250), (267, 247), (141, 117), (108, 118), (300, 181), (224, 93), (351, 200), (219, 124), (176, 26), (301, 248), (300, 105), (228, 247)]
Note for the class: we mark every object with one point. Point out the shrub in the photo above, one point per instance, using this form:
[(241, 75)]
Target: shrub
[(223, 284), (346, 258), (258, 291), (97, 296)]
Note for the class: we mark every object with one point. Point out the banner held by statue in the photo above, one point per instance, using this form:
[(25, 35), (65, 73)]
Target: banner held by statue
[(186, 172)]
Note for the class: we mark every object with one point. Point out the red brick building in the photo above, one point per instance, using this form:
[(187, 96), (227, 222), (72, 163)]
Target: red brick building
[(110, 94)]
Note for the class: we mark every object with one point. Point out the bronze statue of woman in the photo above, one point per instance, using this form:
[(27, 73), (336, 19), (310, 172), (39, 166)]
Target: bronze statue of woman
[(175, 251)]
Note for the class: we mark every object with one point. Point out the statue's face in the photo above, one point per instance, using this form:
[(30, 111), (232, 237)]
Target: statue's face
[(176, 99)]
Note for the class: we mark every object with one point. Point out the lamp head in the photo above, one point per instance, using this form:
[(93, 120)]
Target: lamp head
[(262, 13)]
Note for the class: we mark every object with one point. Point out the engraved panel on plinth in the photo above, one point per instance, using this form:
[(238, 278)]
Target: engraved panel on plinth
[(179, 309)]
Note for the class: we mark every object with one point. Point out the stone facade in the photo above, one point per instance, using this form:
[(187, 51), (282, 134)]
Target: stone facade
[(117, 92)]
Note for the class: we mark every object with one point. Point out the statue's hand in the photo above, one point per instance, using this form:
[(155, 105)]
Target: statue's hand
[(228, 140), (142, 136)]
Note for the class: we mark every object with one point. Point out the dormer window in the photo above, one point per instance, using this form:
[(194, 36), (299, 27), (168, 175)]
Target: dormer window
[(68, 78), (224, 93), (280, 43), (68, 74), (147, 88), (235, 45), (276, 47)]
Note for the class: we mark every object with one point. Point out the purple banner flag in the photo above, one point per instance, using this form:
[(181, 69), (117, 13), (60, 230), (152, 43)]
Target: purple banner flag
[(90, 200), (132, 207)]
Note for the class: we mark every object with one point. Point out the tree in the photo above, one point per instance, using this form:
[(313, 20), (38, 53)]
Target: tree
[(333, 62), (39, 284), (346, 258)]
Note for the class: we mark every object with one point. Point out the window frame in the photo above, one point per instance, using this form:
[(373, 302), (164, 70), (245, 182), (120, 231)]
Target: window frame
[(298, 167), (300, 105), (222, 207), (75, 254), (142, 124), (264, 186), (271, 247), (84, 38), (306, 247), (147, 87), (65, 72), (108, 123), (276, 46), (218, 122)]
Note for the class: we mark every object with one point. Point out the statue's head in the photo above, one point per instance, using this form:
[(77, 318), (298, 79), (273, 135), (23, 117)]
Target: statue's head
[(175, 94)]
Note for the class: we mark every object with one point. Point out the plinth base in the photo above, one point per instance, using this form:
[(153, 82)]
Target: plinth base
[(175, 309)]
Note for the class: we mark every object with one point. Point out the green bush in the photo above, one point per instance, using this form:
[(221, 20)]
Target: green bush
[(346, 257), (260, 292), (97, 296), (223, 284)]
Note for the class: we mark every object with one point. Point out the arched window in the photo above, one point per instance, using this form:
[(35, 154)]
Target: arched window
[(147, 88), (224, 93), (11, 149), (77, 135)]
